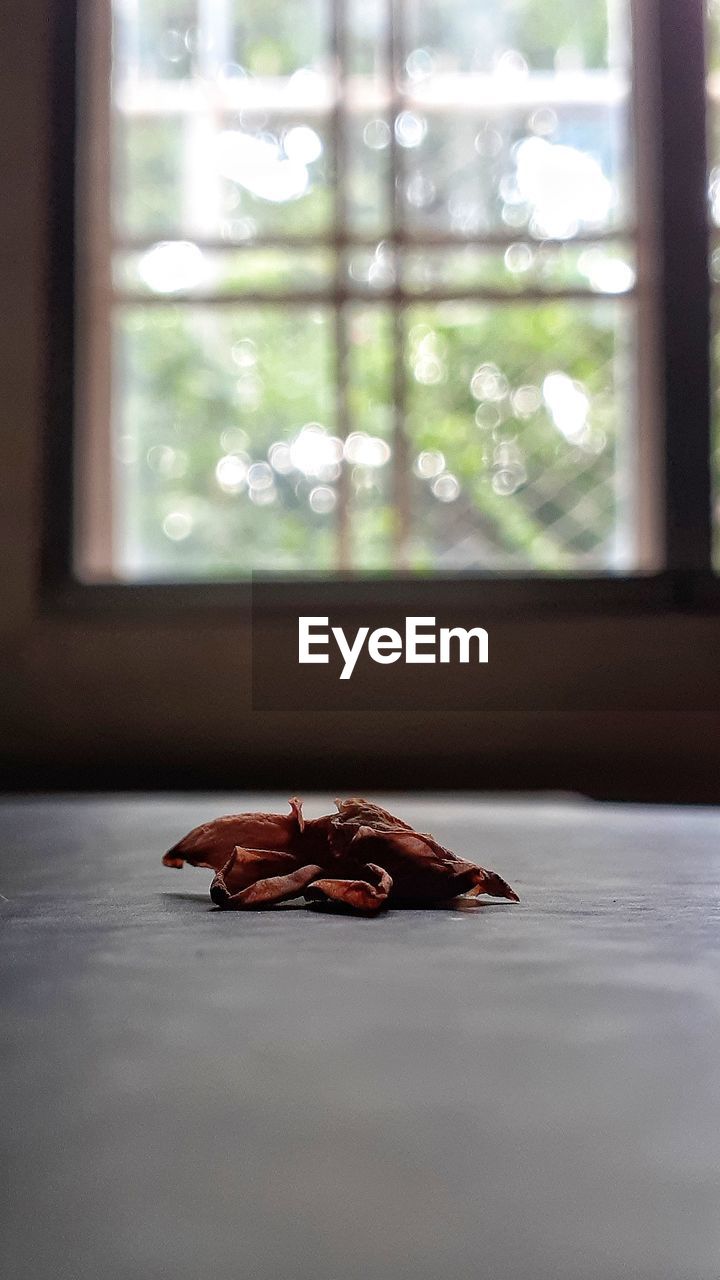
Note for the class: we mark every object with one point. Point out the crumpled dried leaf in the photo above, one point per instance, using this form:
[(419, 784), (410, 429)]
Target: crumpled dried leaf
[(211, 844), (263, 891), (245, 866), (363, 858), (422, 871), (361, 813), (369, 894)]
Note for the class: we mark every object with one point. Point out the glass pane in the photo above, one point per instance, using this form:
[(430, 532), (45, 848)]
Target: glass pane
[(605, 267), (514, 39), (181, 39), (222, 118), (519, 423), (206, 175), (369, 175), (369, 446), (515, 116), (550, 171), (366, 43), (147, 175), (224, 434), (368, 161), (180, 266)]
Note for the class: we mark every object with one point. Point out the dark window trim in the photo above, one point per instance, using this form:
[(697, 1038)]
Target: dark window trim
[(58, 480), (673, 39), (685, 286)]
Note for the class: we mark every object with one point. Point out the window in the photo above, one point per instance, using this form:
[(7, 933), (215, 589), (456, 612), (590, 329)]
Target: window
[(360, 289)]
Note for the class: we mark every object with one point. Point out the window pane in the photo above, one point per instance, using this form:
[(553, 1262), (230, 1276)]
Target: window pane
[(180, 267), (368, 458), (222, 117), (210, 176), (518, 422), (226, 457), (515, 115), (369, 174), (603, 267), (550, 170), (478, 35), (368, 120)]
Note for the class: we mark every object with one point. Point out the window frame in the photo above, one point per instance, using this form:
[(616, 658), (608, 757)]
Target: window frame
[(669, 93)]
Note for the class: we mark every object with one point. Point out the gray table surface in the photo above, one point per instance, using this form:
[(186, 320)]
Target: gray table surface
[(502, 1092)]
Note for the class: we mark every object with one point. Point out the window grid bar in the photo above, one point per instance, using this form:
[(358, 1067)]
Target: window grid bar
[(395, 297), (146, 99), (338, 16), (400, 448), (397, 236)]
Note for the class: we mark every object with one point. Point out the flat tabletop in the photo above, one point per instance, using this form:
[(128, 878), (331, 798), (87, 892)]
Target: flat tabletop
[(498, 1091)]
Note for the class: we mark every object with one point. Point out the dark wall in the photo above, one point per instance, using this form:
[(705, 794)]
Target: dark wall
[(164, 698)]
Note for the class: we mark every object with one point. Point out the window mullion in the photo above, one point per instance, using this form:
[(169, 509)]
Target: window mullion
[(339, 142), (400, 450)]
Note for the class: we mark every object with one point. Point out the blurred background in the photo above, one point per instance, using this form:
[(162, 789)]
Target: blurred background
[(440, 198), (398, 293)]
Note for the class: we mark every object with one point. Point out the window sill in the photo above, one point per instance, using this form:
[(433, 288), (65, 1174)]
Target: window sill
[(515, 594)]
